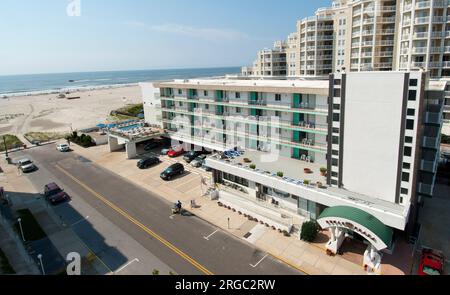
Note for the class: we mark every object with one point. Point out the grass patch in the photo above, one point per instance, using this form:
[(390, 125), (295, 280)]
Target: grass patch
[(132, 110), (44, 136), (12, 142), (5, 266), (31, 228)]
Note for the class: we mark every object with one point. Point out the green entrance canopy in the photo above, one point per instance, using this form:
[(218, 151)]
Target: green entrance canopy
[(354, 219)]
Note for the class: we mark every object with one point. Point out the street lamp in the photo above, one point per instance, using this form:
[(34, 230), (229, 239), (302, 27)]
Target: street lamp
[(21, 229), (42, 264)]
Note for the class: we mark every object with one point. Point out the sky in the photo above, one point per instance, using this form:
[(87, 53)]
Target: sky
[(54, 36)]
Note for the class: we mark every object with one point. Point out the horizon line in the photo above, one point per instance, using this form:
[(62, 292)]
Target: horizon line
[(109, 71)]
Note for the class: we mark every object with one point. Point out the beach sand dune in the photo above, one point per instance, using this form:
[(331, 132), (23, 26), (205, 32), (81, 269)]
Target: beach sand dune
[(48, 113)]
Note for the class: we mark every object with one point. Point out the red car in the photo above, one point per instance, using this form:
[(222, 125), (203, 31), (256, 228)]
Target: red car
[(431, 263), (175, 152), (54, 194)]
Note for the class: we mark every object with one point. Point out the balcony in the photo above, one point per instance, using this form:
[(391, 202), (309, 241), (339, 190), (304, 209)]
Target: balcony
[(426, 189), (429, 166), (431, 142), (433, 118)]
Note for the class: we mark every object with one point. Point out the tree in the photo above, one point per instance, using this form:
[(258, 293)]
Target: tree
[(309, 231)]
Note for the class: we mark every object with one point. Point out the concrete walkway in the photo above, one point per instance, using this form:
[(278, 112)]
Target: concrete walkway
[(309, 258)]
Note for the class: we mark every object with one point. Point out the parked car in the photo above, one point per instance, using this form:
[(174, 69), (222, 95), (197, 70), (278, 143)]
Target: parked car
[(26, 165), (152, 145), (164, 151), (148, 162), (174, 170), (63, 147), (198, 162), (175, 152), (431, 263), (54, 194), (191, 155)]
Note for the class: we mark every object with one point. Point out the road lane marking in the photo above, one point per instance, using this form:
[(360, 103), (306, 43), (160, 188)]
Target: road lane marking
[(80, 221), (126, 265), (137, 223), (254, 266), (207, 238)]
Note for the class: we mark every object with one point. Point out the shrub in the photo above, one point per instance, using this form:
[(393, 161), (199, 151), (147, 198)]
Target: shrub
[(83, 140), (306, 182), (309, 231), (252, 166), (280, 174)]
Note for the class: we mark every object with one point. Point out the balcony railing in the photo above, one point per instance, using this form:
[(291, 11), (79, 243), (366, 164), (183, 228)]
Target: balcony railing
[(426, 189), (429, 166)]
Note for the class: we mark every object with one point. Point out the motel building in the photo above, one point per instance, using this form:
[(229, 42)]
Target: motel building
[(357, 152)]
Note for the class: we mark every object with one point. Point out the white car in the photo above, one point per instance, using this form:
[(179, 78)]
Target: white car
[(63, 147), (26, 165)]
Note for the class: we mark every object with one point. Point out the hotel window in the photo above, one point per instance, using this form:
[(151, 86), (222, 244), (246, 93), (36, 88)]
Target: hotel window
[(335, 140), (336, 107), (180, 92), (238, 110), (411, 112), (335, 153), (194, 92), (404, 191), (277, 114), (337, 92), (408, 151), (412, 95), (337, 82), (238, 95), (205, 93), (410, 124), (406, 166), (180, 104), (334, 162), (206, 106), (408, 139), (405, 177), (336, 117), (413, 82), (277, 97)]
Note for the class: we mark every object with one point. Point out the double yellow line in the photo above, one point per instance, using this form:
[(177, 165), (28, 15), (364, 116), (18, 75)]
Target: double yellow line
[(137, 223)]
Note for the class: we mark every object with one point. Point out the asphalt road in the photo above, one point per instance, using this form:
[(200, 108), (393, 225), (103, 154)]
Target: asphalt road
[(177, 241)]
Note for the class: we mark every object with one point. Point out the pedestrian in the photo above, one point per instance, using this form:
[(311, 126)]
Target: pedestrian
[(68, 141)]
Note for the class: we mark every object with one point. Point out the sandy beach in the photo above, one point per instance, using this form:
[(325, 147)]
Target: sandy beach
[(48, 113)]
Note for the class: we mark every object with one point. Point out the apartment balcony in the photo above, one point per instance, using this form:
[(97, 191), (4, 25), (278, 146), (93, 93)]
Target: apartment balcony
[(367, 32), (421, 20), (423, 4), (325, 28), (433, 118), (384, 53), (431, 142), (383, 65), (366, 54), (324, 47), (419, 50), (407, 7), (386, 20), (385, 43), (420, 35), (405, 37), (368, 21), (446, 64), (356, 33), (366, 43), (325, 37), (390, 8), (426, 189), (387, 32), (437, 34), (429, 166)]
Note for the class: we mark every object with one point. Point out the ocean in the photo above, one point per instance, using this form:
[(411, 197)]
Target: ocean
[(20, 85)]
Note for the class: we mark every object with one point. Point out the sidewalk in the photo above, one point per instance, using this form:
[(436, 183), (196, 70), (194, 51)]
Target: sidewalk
[(64, 240), (309, 258)]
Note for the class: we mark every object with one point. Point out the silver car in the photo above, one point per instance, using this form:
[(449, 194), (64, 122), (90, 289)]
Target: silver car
[(198, 162), (26, 165)]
